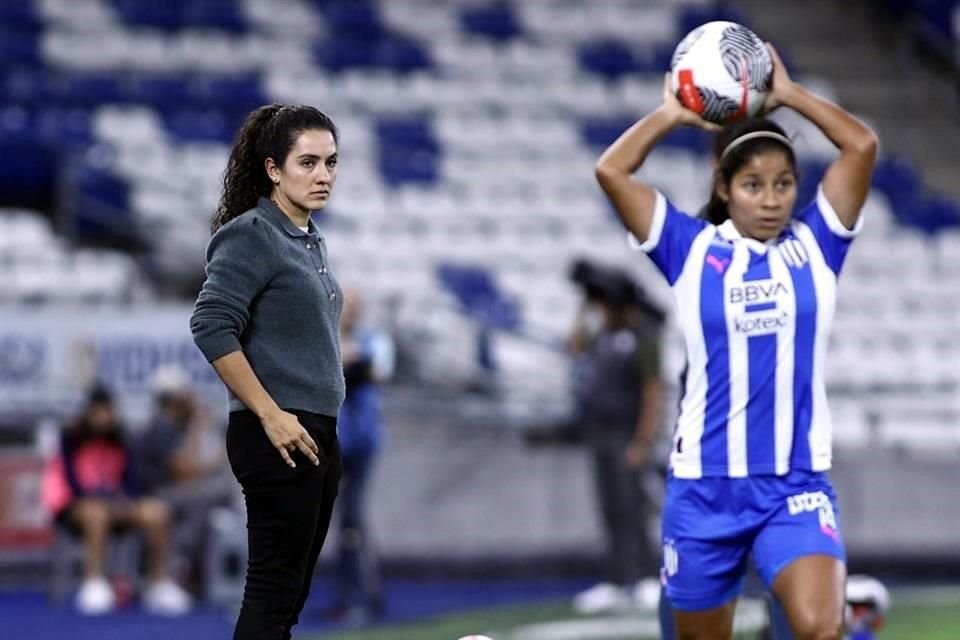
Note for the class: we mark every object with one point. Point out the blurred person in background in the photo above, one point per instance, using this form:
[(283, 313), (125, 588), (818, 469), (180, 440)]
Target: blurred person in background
[(91, 489), (368, 360), (620, 394), (755, 289), (268, 318), (182, 462)]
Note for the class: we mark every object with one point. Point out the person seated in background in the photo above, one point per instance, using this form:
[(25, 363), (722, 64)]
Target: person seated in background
[(368, 360), (183, 462), (90, 488)]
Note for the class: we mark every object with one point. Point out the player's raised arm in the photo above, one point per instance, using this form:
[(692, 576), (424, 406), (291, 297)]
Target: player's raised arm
[(633, 200), (847, 182)]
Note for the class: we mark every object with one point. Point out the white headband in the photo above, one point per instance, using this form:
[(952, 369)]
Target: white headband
[(736, 142)]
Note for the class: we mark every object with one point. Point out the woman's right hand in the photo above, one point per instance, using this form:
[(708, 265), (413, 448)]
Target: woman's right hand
[(287, 435), (678, 113)]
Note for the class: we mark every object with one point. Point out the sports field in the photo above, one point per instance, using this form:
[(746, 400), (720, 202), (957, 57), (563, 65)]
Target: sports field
[(917, 614)]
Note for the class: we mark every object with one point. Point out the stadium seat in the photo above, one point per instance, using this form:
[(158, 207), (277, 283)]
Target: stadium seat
[(21, 46), (479, 295), (610, 58), (469, 132), (495, 20), (221, 15)]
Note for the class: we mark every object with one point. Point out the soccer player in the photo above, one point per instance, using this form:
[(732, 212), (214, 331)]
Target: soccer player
[(268, 319), (754, 286)]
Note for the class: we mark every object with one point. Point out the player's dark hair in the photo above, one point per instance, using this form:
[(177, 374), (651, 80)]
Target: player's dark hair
[(731, 160), (268, 132)]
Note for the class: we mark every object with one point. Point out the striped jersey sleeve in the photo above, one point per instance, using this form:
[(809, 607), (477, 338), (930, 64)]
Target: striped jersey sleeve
[(832, 237), (671, 235)]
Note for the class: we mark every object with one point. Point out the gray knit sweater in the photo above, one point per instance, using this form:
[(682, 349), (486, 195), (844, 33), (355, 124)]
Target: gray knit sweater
[(270, 292)]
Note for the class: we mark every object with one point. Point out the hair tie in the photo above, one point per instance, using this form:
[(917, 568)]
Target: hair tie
[(773, 135)]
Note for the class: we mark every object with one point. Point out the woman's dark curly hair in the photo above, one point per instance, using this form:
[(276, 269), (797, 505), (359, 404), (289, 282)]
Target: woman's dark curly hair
[(268, 132), (727, 166)]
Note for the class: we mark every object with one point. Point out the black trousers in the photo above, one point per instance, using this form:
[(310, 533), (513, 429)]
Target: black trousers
[(288, 514), (624, 508)]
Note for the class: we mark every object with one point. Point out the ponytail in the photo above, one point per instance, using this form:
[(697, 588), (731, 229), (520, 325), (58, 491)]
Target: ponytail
[(268, 132), (244, 179), (716, 211)]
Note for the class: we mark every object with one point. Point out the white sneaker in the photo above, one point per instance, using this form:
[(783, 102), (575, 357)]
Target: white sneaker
[(96, 597), (646, 594), (166, 598), (601, 598)]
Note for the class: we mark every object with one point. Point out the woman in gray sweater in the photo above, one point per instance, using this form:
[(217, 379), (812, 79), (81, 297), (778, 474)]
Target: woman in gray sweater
[(267, 319)]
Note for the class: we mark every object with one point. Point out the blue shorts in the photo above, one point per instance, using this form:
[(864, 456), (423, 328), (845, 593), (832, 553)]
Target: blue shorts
[(710, 525)]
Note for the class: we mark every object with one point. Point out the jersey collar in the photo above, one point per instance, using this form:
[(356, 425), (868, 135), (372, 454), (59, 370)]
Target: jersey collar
[(729, 232)]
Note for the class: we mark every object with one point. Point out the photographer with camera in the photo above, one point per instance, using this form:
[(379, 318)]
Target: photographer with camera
[(617, 346)]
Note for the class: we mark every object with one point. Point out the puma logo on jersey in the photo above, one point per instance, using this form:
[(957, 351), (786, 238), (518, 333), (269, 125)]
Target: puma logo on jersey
[(720, 264)]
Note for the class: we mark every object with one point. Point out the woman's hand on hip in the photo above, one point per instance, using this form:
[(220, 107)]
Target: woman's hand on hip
[(287, 435)]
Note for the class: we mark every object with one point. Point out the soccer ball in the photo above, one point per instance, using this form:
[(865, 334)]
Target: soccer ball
[(721, 71), (868, 602)]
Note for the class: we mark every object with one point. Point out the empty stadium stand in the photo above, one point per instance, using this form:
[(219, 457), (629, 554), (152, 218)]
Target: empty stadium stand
[(468, 133)]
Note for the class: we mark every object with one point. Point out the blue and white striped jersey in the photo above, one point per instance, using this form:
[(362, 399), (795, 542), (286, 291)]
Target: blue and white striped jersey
[(756, 321)]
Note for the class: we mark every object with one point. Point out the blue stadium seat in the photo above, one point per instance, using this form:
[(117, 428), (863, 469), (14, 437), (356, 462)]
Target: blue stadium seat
[(408, 151), (22, 85), (355, 18), (495, 21), (692, 17), (689, 139), (235, 91), (33, 176), (600, 132), (342, 53), (608, 58), (400, 54), (409, 131), (221, 15), (390, 52), (97, 206), (20, 16), (93, 88), (163, 91), (19, 47), (400, 166), (811, 174), (652, 58), (479, 296), (69, 127), (207, 125), (166, 15), (899, 181), (933, 215)]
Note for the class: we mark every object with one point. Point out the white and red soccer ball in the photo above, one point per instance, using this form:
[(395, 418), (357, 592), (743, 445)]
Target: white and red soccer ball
[(721, 71)]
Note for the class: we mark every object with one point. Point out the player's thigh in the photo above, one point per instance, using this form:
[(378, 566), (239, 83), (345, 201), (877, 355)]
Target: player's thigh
[(710, 624), (811, 590), (800, 555)]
